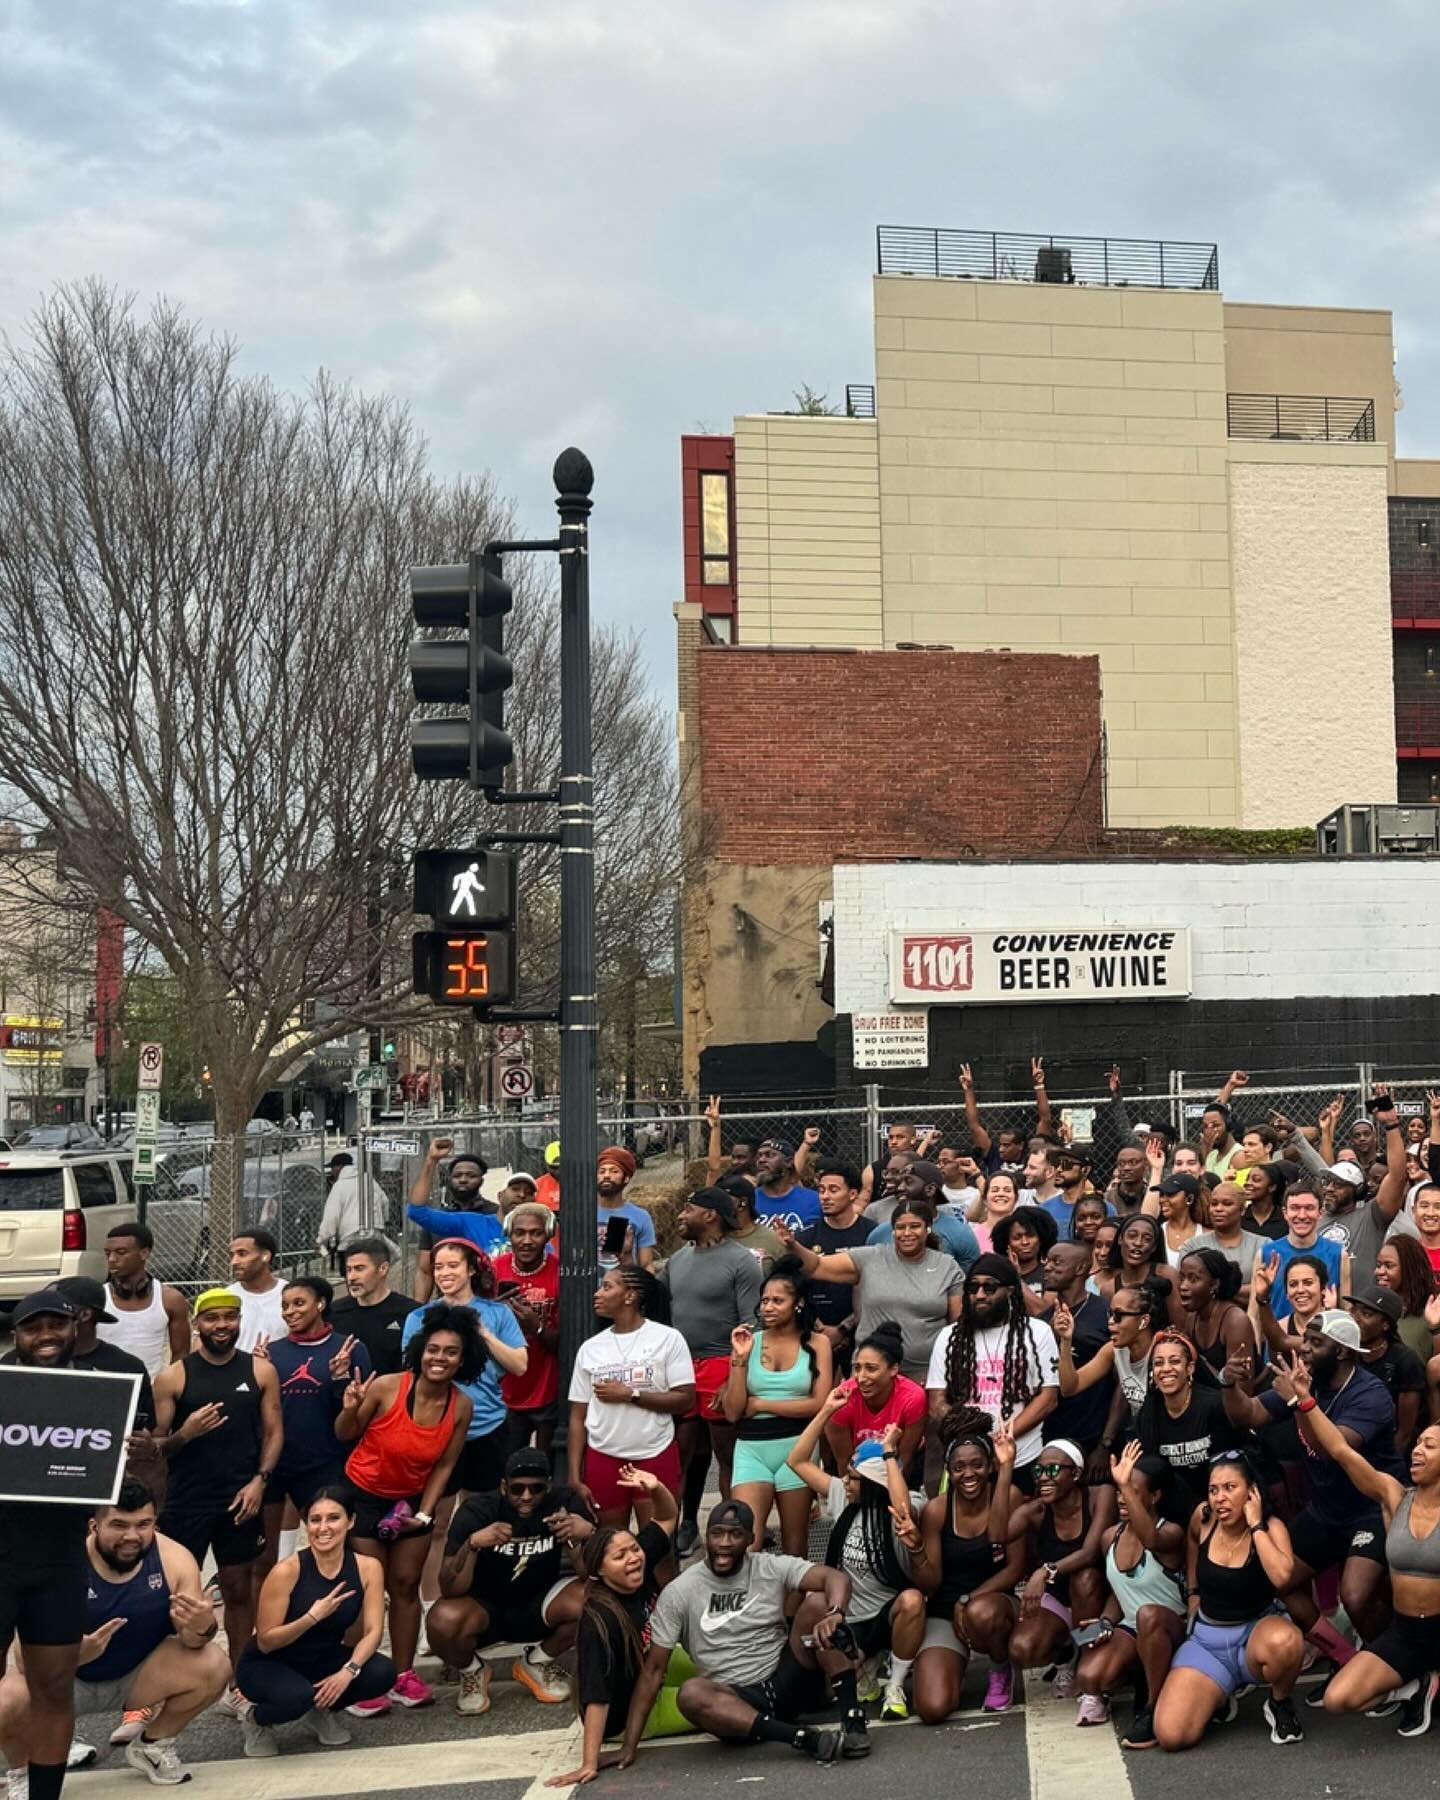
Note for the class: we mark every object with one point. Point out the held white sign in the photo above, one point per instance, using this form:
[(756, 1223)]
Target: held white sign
[(936, 967), (893, 1040)]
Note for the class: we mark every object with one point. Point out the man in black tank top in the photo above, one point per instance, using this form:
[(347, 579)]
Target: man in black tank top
[(217, 1415), (43, 1568)]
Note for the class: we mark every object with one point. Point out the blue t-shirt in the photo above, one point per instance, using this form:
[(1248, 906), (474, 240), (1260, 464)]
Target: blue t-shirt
[(1326, 1249), (800, 1208), (954, 1234), (310, 1399), (489, 1409), (1365, 1406), (1061, 1211), (644, 1230)]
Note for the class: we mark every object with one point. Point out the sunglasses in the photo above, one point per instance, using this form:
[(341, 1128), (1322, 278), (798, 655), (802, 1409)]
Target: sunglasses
[(986, 1286), (528, 1487), (1116, 1313), (1052, 1469)]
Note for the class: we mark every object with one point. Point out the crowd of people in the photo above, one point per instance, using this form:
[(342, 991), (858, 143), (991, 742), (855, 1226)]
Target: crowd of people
[(1155, 1420)]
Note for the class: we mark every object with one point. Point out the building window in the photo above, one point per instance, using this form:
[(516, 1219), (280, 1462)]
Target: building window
[(715, 530)]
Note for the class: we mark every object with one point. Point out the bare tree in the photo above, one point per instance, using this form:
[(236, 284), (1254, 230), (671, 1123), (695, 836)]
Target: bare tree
[(203, 625)]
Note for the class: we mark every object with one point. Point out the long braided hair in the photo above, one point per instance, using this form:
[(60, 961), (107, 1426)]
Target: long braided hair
[(961, 1371), (877, 1535)]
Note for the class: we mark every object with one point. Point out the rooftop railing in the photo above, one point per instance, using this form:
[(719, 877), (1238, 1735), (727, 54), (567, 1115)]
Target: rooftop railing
[(859, 401), (1025, 256), (1300, 418)]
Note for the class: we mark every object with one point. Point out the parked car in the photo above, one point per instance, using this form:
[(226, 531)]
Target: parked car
[(74, 1136), (285, 1199), (56, 1207)]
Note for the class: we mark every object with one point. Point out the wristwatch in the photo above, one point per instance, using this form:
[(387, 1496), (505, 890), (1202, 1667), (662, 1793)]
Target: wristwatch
[(352, 1668)]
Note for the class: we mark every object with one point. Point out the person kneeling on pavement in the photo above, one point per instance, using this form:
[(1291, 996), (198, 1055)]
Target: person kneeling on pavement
[(317, 1633), (760, 1670), (510, 1575), (149, 1649)]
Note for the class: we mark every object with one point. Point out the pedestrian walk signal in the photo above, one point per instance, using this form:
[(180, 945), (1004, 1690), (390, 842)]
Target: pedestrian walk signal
[(465, 887), (465, 968)]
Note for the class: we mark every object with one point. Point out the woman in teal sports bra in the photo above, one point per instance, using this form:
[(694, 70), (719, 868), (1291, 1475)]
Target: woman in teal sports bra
[(1144, 1618), (779, 1377)]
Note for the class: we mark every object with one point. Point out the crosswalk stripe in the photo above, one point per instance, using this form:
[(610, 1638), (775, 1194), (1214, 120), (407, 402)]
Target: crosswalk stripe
[(1067, 1763)]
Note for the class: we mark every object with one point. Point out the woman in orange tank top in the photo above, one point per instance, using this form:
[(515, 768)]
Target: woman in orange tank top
[(408, 1431)]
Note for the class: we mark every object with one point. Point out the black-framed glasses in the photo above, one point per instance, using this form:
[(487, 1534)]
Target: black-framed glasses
[(1116, 1313), (528, 1487)]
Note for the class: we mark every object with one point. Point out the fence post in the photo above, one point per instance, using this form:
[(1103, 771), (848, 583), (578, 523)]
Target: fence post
[(872, 1121), (1177, 1103), (1366, 1072)]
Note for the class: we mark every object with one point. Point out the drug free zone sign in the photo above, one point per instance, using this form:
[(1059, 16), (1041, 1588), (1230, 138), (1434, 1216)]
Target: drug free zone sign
[(930, 967)]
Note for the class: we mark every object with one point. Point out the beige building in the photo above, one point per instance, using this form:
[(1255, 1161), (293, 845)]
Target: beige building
[(1191, 489)]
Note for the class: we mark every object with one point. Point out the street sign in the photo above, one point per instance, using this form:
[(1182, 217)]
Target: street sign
[(143, 1172), (509, 1035), (152, 1067), (517, 1082), (890, 1040), (370, 1078), (147, 1113), (393, 1146), (465, 887)]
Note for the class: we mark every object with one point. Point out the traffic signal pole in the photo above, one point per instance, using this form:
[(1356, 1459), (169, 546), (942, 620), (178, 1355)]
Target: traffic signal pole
[(579, 1012)]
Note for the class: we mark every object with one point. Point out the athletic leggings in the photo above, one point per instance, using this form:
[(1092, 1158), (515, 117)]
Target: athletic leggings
[(283, 1691)]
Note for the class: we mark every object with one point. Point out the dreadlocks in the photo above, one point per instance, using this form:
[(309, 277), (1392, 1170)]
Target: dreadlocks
[(961, 1364)]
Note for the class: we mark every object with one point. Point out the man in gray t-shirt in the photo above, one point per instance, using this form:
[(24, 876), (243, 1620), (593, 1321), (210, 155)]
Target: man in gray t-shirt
[(714, 1285), (758, 1672)]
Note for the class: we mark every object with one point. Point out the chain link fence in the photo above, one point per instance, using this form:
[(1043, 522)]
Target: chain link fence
[(284, 1178), (282, 1186)]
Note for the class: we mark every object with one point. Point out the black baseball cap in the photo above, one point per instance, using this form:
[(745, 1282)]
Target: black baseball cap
[(46, 1300), (736, 1513), (1378, 1299), (527, 1462), (88, 1294), (1076, 1153), (716, 1200), (1181, 1183)]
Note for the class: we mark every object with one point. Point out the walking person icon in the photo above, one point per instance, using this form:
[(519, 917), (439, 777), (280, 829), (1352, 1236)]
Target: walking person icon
[(466, 888)]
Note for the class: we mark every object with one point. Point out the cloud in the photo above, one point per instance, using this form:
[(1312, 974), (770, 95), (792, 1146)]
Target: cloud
[(540, 220)]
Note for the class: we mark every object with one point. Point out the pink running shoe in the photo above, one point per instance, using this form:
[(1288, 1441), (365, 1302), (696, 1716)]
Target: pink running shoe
[(999, 1690), (396, 1521), (1093, 1709), (410, 1690), (369, 1709)]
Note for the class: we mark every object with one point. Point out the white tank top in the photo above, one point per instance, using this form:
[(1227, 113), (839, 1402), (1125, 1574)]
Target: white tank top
[(145, 1334)]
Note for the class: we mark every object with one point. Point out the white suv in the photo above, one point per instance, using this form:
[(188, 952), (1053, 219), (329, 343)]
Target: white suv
[(56, 1207)]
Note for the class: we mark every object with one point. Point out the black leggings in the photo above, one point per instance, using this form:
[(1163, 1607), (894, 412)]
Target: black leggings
[(282, 1692)]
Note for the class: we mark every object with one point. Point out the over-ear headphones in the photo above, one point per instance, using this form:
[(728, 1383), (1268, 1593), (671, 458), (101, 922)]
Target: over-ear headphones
[(551, 1222)]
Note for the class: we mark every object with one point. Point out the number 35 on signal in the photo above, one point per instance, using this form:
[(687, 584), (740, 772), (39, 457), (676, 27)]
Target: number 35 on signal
[(465, 968)]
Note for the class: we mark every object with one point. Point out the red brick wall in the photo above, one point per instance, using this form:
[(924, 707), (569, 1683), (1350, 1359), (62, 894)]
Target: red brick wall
[(816, 756)]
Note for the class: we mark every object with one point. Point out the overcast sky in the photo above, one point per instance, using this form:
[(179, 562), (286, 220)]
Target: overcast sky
[(609, 223)]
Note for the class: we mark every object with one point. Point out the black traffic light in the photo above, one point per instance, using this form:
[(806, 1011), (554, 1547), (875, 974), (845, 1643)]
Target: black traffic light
[(472, 671)]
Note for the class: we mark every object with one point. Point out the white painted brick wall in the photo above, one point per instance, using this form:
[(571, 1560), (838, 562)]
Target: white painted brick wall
[(1257, 931)]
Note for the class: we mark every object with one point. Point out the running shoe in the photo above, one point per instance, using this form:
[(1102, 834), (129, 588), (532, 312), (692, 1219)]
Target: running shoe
[(1316, 1696), (325, 1728), (1228, 1711), (131, 1725), (369, 1709), (256, 1739), (1393, 1701), (17, 1784), (1416, 1712), (474, 1695), (893, 1703), (546, 1680), (1284, 1723), (686, 1537), (1065, 1680), (1093, 1709), (157, 1762), (399, 1519), (854, 1736), (80, 1756), (999, 1690), (867, 1682), (1141, 1735), (231, 1703), (410, 1690), (823, 1742)]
